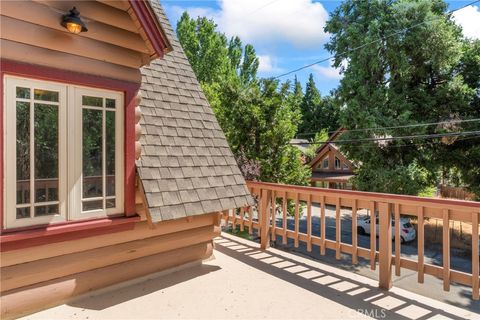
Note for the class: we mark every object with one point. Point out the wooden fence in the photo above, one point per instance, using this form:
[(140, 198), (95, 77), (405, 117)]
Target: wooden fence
[(272, 200)]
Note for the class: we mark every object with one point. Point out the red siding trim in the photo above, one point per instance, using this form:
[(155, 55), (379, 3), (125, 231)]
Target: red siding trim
[(149, 23), (51, 234), (51, 74)]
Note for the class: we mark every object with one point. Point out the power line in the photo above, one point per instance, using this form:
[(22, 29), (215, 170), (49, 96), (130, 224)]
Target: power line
[(261, 7), (371, 42), (397, 127), (419, 136)]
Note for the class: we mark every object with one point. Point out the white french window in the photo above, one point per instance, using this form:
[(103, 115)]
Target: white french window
[(63, 152)]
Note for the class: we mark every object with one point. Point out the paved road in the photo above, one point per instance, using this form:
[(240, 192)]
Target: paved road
[(459, 295), (432, 252)]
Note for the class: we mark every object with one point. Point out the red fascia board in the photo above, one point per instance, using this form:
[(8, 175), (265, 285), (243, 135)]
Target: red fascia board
[(150, 25)]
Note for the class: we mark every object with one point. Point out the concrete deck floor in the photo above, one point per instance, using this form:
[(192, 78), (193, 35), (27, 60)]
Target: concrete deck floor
[(244, 282)]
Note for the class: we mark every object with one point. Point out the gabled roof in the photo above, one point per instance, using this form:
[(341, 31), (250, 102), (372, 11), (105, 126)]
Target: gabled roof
[(320, 149), (187, 167)]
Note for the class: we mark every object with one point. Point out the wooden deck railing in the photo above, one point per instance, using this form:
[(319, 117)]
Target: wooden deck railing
[(272, 201)]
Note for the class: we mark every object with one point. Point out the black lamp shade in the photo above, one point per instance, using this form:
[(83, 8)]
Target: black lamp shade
[(73, 23)]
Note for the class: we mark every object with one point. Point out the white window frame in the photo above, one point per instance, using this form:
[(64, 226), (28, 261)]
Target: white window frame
[(69, 148), (339, 167), (323, 162)]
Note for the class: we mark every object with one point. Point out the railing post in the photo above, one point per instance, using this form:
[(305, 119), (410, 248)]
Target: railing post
[(385, 246), (265, 196)]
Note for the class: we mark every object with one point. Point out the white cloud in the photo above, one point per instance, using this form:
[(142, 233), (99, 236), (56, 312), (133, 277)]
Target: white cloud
[(329, 72), (299, 23), (469, 19), (267, 64)]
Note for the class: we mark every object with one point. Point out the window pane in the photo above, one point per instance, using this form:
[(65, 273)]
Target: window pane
[(46, 210), (110, 153), (92, 205), (23, 93), (23, 152), (92, 153), (92, 101), (46, 152), (45, 95), (110, 203), (110, 103), (23, 213)]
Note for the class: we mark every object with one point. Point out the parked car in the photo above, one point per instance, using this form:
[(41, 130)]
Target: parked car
[(407, 231)]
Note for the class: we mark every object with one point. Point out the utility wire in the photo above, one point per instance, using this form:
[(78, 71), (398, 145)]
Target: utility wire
[(371, 42), (396, 127), (419, 136)]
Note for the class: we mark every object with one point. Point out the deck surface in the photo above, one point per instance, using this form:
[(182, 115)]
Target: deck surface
[(243, 282)]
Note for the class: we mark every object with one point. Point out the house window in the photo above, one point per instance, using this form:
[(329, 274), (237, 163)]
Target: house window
[(63, 152), (338, 164), (325, 163)]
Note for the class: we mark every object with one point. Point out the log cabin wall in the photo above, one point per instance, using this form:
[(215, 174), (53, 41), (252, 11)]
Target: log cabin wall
[(113, 46), (40, 277), (43, 275)]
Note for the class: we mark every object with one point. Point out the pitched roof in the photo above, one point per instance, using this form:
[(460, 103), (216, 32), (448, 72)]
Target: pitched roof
[(187, 167), (318, 152)]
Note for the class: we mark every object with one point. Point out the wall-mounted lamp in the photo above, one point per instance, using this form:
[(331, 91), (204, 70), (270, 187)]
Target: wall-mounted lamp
[(73, 23)]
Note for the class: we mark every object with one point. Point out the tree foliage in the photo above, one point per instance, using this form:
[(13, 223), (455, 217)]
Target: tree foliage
[(259, 116), (413, 66)]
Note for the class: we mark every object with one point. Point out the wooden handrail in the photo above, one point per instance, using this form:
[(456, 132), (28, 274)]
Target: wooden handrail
[(272, 198)]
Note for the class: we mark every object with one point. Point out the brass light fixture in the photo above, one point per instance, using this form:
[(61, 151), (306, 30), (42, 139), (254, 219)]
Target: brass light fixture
[(73, 23)]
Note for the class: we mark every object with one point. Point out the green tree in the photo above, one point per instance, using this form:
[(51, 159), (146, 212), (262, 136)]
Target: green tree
[(398, 78), (309, 107), (258, 116), (205, 48)]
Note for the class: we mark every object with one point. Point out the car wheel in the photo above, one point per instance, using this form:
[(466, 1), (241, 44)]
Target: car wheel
[(360, 231)]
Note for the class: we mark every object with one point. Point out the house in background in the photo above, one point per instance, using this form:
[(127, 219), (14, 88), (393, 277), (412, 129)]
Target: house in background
[(330, 168), (113, 165)]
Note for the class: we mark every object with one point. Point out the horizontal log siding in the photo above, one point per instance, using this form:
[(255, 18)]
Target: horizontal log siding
[(112, 47), (42, 270), (25, 53), (48, 294)]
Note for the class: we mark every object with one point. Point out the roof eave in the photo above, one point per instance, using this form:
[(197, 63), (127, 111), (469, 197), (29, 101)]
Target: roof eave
[(152, 28)]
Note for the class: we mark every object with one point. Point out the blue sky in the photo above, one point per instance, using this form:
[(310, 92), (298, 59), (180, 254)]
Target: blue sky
[(288, 34)]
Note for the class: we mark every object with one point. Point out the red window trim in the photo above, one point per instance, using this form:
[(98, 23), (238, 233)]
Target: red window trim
[(65, 232), (72, 229)]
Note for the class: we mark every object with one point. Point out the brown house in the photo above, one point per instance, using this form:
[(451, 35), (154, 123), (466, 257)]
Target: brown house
[(113, 165), (330, 168)]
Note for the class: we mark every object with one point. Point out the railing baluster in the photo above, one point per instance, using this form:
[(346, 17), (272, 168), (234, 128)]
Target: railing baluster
[(398, 248), (373, 236), (421, 238), (309, 223), (250, 220), (234, 219), (354, 233), (323, 229), (446, 249), (284, 218), (297, 219), (242, 217), (338, 230), (274, 207), (475, 280)]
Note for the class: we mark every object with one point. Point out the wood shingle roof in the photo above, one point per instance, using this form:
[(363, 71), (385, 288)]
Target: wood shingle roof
[(187, 167)]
